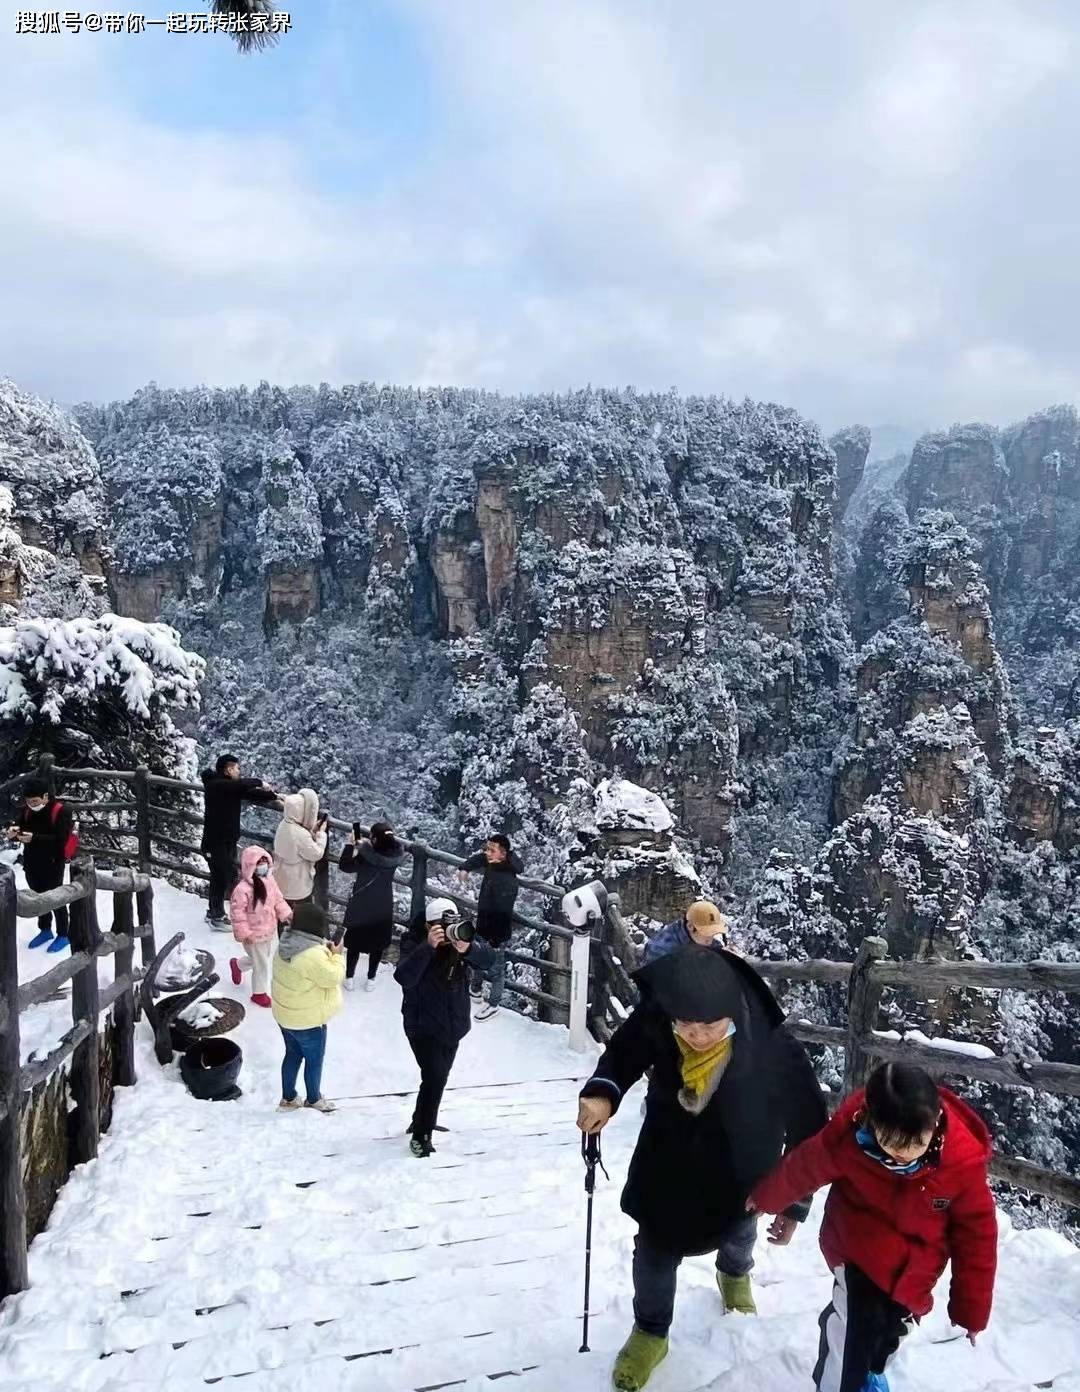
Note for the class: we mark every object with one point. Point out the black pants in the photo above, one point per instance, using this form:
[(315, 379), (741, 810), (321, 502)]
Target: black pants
[(224, 873), (656, 1272), (436, 1060), (39, 878), (352, 956), (861, 1329)]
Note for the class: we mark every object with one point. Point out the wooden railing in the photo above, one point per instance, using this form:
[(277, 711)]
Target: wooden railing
[(612, 994), (155, 848), (132, 921)]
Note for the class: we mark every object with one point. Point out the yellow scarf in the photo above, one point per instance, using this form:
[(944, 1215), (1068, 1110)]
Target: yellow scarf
[(698, 1066)]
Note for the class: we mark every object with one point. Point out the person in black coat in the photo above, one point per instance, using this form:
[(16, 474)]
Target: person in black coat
[(224, 790), (43, 828), (501, 866), (432, 972), (369, 914), (730, 1090)]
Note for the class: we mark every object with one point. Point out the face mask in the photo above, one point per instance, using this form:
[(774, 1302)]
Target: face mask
[(262, 871), (36, 806)]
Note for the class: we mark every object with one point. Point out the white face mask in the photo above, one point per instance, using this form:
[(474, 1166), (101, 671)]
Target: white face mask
[(36, 806), (262, 871)]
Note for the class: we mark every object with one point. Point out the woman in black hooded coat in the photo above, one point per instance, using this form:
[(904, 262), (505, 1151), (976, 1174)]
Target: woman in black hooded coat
[(369, 914)]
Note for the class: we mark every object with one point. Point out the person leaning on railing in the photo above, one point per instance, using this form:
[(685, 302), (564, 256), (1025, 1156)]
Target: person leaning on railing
[(501, 866), (224, 791)]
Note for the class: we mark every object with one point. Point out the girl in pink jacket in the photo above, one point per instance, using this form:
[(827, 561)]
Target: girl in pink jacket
[(257, 906)]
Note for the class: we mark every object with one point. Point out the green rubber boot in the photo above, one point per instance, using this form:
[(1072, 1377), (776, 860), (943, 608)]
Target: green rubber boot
[(638, 1359), (737, 1294)]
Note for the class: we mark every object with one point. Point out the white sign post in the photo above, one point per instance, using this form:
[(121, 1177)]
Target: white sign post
[(579, 989)]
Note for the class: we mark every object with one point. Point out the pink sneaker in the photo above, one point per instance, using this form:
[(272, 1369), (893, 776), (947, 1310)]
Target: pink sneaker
[(237, 974), (262, 1000)]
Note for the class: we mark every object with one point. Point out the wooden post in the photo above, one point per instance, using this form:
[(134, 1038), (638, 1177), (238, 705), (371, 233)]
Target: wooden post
[(124, 1010), (142, 817), (320, 892), (418, 901), (144, 900), (14, 1272), (864, 996), (47, 770), (84, 1080), (558, 951)]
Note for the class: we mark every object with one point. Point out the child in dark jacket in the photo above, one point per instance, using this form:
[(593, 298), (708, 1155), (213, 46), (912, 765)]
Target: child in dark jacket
[(433, 975), (907, 1162)]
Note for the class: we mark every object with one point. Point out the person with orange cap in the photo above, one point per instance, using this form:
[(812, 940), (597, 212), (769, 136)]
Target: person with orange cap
[(703, 924)]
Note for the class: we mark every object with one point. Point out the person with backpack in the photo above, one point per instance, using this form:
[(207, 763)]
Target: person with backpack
[(369, 914), (299, 844), (730, 1090), (258, 908), (224, 791), (501, 866), (907, 1161), (308, 972), (432, 972), (46, 831)]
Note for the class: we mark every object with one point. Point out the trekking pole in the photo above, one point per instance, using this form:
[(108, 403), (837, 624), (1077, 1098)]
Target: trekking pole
[(590, 1153)]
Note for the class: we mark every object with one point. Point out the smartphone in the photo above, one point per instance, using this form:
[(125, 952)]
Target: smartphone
[(357, 831)]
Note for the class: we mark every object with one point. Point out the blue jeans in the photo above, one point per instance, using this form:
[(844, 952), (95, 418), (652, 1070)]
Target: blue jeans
[(307, 1046), (495, 975)]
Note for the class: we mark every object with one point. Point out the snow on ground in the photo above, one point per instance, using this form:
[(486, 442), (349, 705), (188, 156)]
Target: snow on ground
[(218, 1241)]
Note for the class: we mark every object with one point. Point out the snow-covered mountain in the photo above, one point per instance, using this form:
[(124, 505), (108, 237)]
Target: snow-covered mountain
[(854, 688)]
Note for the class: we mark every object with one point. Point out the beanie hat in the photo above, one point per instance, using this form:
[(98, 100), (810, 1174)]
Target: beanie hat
[(309, 918), (704, 917), (35, 787), (693, 984)]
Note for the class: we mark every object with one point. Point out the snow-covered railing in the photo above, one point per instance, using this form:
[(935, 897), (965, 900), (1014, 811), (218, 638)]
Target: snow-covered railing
[(132, 894), (866, 979), (148, 811)]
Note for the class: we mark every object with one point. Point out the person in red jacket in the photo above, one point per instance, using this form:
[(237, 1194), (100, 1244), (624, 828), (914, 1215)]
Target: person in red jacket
[(907, 1162)]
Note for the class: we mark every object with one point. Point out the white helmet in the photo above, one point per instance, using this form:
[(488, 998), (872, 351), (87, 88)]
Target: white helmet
[(438, 909)]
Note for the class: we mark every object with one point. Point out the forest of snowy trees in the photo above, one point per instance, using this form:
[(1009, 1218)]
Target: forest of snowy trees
[(854, 689)]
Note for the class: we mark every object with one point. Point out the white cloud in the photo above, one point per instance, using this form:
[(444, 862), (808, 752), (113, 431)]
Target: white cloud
[(865, 210)]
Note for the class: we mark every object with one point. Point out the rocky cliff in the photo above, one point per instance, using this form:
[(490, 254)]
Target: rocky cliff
[(664, 564)]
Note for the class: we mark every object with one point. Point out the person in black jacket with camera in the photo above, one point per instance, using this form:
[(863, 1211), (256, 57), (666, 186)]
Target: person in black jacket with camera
[(223, 792), (433, 974), (369, 914), (501, 866), (730, 1089)]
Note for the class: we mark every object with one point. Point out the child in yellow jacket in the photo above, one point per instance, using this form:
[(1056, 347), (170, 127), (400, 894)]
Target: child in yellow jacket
[(306, 992)]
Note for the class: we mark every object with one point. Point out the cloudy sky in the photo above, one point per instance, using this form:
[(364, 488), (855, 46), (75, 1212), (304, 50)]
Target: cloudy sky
[(869, 211)]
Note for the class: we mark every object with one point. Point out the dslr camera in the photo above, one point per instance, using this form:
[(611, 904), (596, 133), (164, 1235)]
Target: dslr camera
[(458, 930)]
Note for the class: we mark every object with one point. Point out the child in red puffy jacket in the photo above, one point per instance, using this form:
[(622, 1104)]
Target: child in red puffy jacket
[(907, 1162)]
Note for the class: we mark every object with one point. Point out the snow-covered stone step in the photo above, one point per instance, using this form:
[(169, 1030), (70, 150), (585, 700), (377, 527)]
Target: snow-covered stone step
[(324, 1258)]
